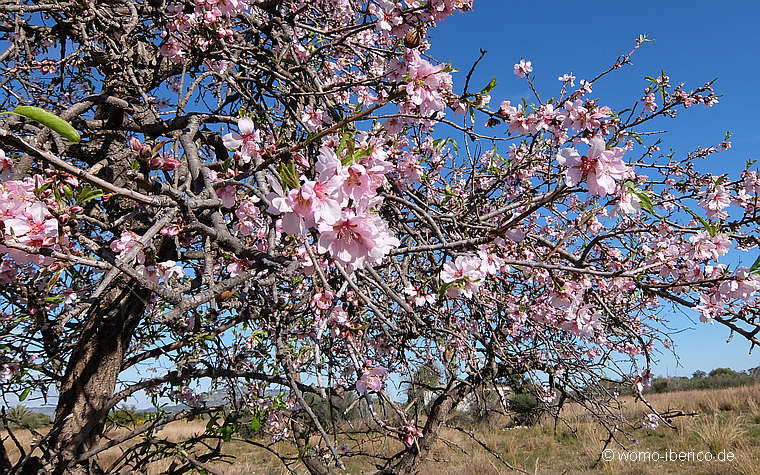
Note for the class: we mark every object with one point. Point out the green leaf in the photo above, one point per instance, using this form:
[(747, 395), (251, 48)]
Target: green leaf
[(68, 192), (24, 394), (711, 229), (755, 269), (226, 164), (288, 175), (88, 194), (489, 87), (645, 201), (343, 142), (49, 120), (636, 137), (365, 152), (255, 425), (442, 290)]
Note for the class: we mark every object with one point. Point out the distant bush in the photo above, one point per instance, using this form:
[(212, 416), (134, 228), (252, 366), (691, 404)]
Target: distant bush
[(526, 408), (339, 408), (124, 416), (21, 417), (418, 391)]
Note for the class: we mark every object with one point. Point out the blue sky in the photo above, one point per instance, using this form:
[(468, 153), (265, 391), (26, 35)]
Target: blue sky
[(695, 41)]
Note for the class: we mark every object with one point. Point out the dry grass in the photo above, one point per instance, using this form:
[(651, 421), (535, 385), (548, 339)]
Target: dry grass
[(727, 419)]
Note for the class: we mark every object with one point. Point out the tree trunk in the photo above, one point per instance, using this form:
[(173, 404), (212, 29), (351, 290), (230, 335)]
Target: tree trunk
[(410, 459), (91, 374)]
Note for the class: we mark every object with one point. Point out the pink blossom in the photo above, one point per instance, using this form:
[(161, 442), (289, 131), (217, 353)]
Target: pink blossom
[(547, 395), (188, 396), (387, 15), (124, 245), (649, 102), (600, 167), (465, 273), (228, 195), (313, 118), (643, 380), (237, 267), (628, 204), (8, 269), (164, 162), (751, 181), (522, 68), (715, 202), (248, 140), (171, 230), (411, 433), (277, 425), (355, 240), (276, 199), (409, 168), (710, 307), (651, 422), (248, 214), (315, 202), (280, 203), (426, 85), (357, 183), (174, 50), (322, 300), (418, 297), (8, 370), (36, 227), (490, 263), (328, 163), (583, 321), (567, 78), (372, 379), (744, 286), (168, 269), (705, 247), (6, 166)]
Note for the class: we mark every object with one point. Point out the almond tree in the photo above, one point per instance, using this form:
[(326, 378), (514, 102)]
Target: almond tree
[(253, 196)]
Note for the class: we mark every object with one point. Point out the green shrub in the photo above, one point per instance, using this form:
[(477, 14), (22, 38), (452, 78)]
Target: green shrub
[(123, 416), (526, 408), (21, 417)]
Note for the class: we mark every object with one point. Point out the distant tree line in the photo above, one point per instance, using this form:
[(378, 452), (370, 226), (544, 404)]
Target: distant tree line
[(716, 379)]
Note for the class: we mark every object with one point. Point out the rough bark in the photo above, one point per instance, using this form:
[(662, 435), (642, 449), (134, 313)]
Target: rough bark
[(91, 375)]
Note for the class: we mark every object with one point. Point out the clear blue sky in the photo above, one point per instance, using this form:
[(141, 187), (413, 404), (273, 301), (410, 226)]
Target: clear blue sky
[(696, 41)]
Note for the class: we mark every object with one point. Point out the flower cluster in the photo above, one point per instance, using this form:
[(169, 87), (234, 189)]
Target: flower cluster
[(26, 220), (339, 204), (411, 433), (465, 273), (599, 167), (207, 23), (372, 378)]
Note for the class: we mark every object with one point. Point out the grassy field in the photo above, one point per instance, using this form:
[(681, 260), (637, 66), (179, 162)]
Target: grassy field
[(727, 420)]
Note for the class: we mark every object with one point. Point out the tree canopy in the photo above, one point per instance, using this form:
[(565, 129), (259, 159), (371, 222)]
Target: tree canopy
[(293, 203)]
